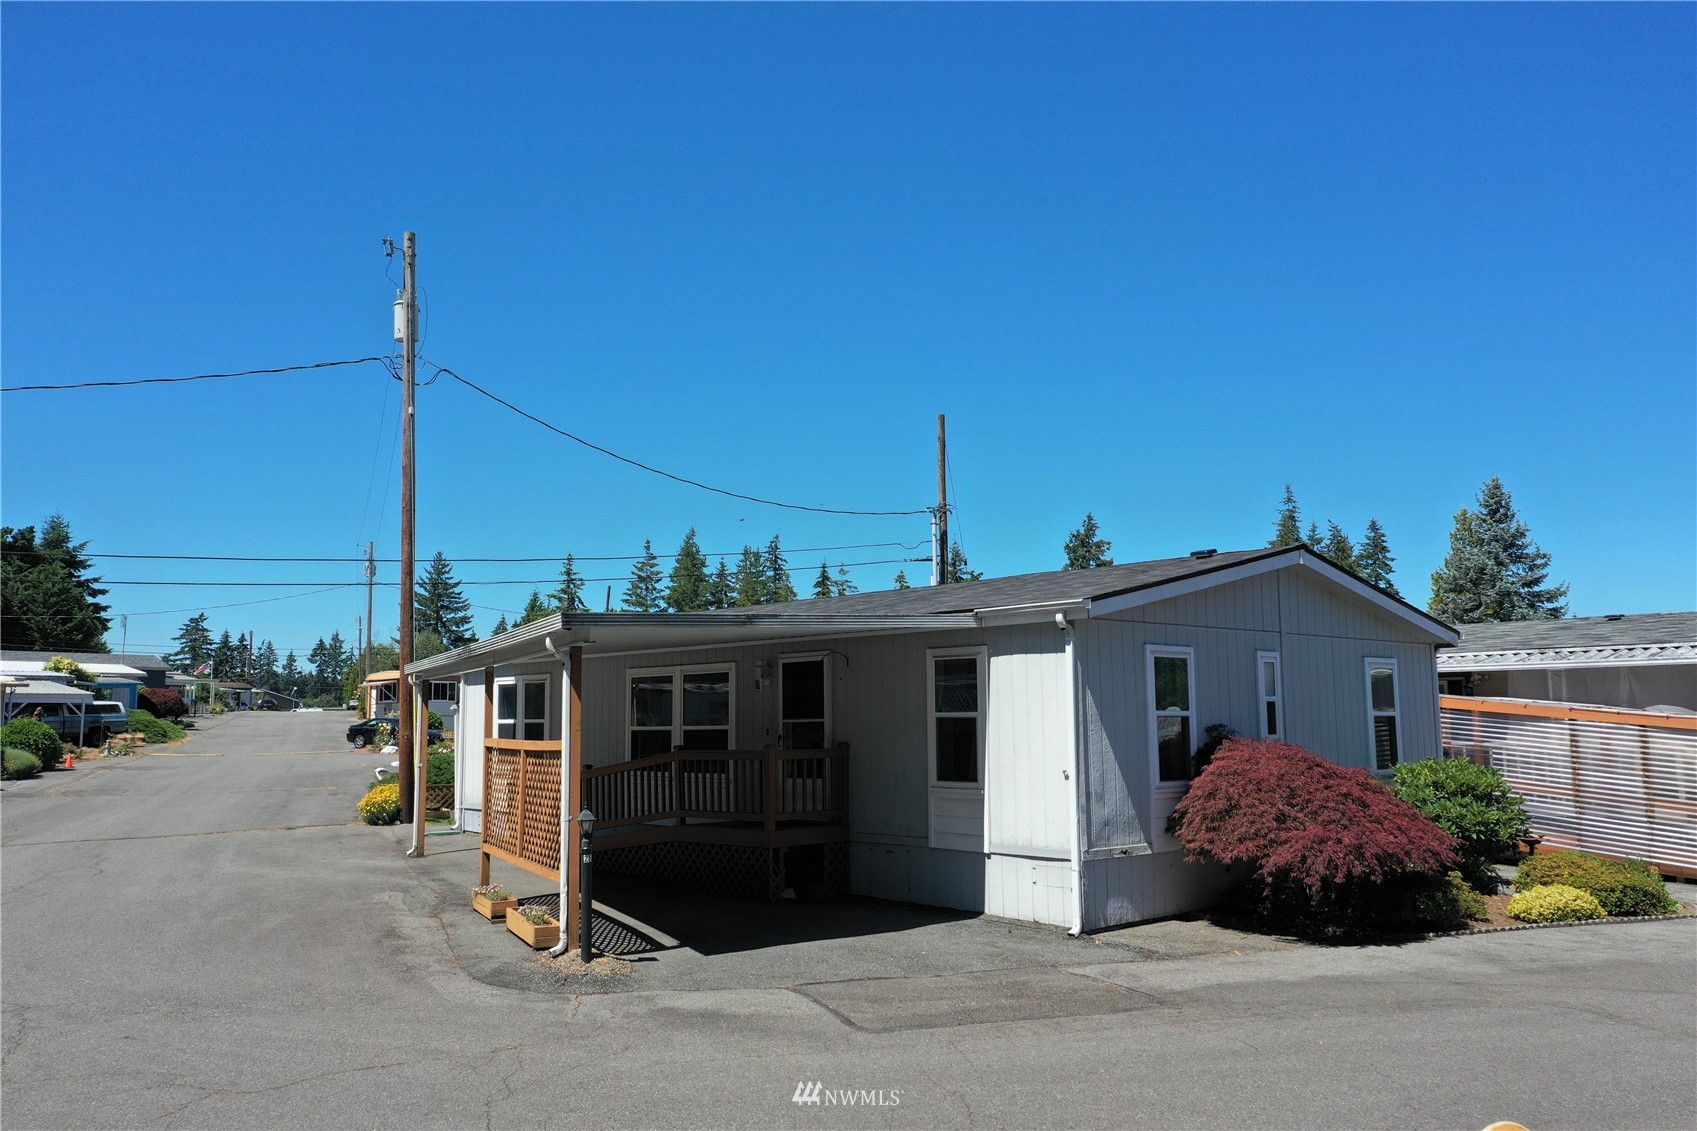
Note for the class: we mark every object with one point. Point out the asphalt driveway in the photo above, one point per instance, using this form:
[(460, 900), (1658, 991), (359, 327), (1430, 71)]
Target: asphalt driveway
[(210, 939)]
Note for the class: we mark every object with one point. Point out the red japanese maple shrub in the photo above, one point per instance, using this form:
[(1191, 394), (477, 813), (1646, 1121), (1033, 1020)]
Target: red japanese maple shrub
[(163, 703), (1327, 844)]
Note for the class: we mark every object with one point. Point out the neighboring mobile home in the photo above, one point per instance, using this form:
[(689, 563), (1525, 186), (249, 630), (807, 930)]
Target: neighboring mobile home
[(1012, 746), (1644, 662)]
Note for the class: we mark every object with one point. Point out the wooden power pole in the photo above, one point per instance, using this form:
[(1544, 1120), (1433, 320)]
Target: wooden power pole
[(942, 503), (370, 583), (409, 357)]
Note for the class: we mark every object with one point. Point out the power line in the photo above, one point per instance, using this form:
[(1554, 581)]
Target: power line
[(177, 380), (459, 581), (111, 613), (507, 561), (656, 471)]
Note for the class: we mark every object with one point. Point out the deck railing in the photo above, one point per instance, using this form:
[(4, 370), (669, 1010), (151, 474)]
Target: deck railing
[(762, 788), (1619, 783), (767, 787)]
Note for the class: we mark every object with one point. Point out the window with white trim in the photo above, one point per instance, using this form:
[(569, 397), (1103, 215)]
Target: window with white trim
[(1271, 688), (957, 719), (444, 690), (681, 708), (1172, 704), (1384, 722), (521, 707)]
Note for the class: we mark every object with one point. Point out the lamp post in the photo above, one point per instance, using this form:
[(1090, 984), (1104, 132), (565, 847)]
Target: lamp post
[(585, 870)]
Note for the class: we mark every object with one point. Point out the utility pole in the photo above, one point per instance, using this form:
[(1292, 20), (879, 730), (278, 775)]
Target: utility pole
[(409, 357), (370, 629), (250, 655), (942, 503)]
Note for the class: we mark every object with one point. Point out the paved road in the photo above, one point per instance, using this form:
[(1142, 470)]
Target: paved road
[(205, 939)]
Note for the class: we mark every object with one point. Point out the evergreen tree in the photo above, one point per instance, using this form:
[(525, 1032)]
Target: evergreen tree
[(1338, 547), (901, 579), (957, 569), (687, 592), (289, 676), (750, 579), (500, 625), (643, 594), (534, 609), (47, 601), (440, 607), (227, 657), (1288, 529), (1373, 561), (842, 586), (569, 596), (427, 643), (1085, 549), (265, 665), (822, 586), (779, 586), (1312, 538), (1494, 570), (721, 590)]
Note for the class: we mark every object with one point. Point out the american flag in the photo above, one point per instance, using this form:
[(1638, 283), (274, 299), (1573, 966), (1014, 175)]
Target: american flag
[(204, 669)]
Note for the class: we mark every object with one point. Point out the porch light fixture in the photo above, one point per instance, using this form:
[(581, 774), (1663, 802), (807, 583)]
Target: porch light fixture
[(585, 877)]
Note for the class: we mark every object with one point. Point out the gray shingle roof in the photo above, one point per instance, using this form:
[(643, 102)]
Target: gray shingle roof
[(1578, 632), (131, 659), (1022, 589)]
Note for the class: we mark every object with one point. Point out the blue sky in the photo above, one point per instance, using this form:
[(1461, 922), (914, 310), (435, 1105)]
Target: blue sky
[(1152, 262)]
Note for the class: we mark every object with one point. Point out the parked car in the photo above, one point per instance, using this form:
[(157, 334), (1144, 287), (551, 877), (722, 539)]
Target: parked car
[(268, 704), (104, 717), (363, 734)]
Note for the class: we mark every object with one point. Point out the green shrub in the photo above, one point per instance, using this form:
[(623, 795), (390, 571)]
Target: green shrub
[(432, 719), (1623, 887), (439, 765), (154, 729), (382, 804), (19, 764), (1331, 849), (1554, 903), (1475, 805), (33, 737)]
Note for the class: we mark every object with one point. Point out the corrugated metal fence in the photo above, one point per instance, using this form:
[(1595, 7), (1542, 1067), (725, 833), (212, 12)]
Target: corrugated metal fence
[(1618, 783)]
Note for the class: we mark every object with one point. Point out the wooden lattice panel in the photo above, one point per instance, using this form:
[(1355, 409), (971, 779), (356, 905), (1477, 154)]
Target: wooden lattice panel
[(521, 802)]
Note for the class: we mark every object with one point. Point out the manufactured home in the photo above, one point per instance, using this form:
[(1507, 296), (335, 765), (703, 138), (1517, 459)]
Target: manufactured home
[(1012, 746)]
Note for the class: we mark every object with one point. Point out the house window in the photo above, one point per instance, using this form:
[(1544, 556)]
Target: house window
[(1385, 731), (957, 719), (1173, 714), (1272, 692), (506, 708), (534, 701), (444, 691), (521, 707), (680, 709), (805, 722)]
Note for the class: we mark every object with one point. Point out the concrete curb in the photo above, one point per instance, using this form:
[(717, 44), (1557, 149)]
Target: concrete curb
[(1546, 926)]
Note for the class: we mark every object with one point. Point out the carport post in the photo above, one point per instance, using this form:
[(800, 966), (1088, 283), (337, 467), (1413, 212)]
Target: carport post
[(420, 742), (571, 768)]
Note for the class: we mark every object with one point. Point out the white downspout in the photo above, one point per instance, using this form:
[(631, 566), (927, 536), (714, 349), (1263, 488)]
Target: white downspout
[(568, 852), (1077, 714)]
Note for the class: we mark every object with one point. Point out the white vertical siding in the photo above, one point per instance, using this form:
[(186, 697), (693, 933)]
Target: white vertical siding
[(468, 753), (1322, 633), (1030, 798)]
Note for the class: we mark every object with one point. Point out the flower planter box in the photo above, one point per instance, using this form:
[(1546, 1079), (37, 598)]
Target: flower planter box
[(492, 909), (537, 936)]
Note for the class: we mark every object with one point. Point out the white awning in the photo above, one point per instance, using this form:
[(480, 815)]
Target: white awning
[(46, 691)]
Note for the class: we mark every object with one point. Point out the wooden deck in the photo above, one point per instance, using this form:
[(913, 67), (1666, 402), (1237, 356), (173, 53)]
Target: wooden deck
[(770, 798)]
